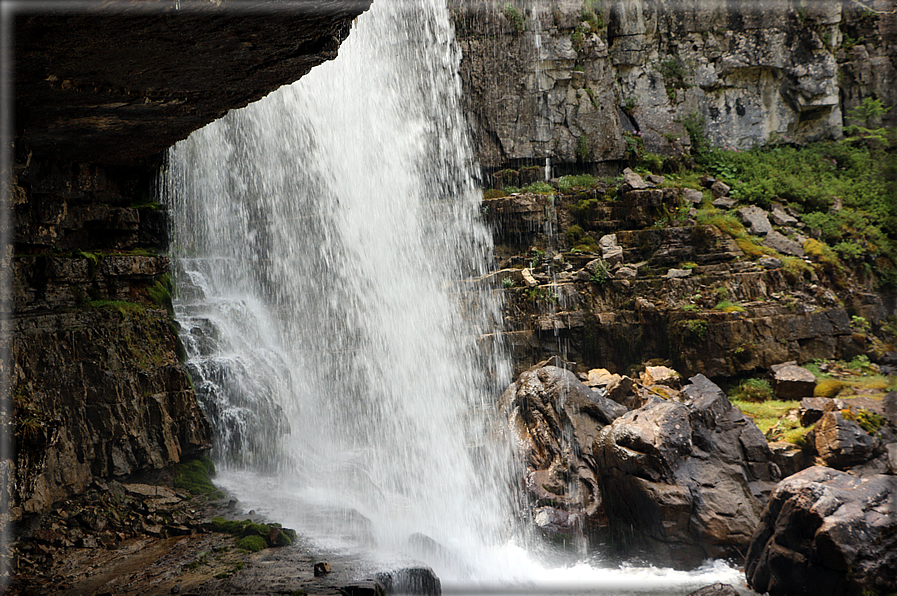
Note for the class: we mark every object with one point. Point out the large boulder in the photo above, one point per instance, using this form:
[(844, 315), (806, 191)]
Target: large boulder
[(826, 532), (684, 481), (555, 419), (790, 381), (842, 442)]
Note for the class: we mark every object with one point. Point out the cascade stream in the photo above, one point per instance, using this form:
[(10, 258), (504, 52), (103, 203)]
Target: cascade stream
[(326, 249)]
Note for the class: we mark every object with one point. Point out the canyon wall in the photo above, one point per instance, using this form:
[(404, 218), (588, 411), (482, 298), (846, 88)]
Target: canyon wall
[(585, 81), (97, 384)]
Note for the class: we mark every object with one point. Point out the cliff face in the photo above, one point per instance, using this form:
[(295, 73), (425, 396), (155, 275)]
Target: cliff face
[(583, 81), (96, 383)]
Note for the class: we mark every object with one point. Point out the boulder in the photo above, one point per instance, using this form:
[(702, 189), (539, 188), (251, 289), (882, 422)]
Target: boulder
[(770, 263), (842, 443), (781, 218), (719, 189), (692, 196), (826, 533), (790, 458), (683, 481), (661, 375), (725, 203), (677, 273), (755, 219), (790, 381), (632, 181), (778, 241), (555, 419)]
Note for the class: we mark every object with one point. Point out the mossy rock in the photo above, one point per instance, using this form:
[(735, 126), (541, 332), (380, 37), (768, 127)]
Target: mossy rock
[(196, 476), (253, 544)]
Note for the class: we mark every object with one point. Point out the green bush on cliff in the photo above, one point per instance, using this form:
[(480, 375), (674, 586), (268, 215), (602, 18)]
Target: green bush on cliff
[(569, 182)]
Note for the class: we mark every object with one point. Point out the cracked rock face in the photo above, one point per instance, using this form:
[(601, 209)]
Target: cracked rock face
[(826, 532), (576, 90)]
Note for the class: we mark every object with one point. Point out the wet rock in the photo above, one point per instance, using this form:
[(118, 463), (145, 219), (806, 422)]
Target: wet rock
[(684, 481), (790, 381), (322, 568), (842, 443), (826, 532), (717, 589), (622, 391), (755, 219), (778, 241), (411, 580), (555, 419)]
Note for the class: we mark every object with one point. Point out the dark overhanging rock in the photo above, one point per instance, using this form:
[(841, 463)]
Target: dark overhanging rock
[(119, 85)]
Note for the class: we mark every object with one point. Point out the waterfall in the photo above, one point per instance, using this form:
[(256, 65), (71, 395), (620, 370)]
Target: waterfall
[(328, 252), (329, 262)]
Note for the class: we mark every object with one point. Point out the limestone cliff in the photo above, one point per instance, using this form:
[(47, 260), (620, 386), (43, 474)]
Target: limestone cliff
[(96, 384), (585, 81)]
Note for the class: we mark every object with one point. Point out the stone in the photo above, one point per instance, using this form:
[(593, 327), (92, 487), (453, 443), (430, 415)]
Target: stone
[(692, 196), (781, 218), (680, 481), (812, 408), (655, 179), (725, 203), (661, 375), (790, 381), (554, 418), (790, 458), (528, 278), (321, 568), (783, 244), (612, 255), (622, 391), (633, 181), (719, 189), (755, 219), (891, 451), (889, 403), (677, 273), (770, 263), (601, 377), (626, 273), (717, 589), (410, 580), (138, 108), (827, 533), (842, 443)]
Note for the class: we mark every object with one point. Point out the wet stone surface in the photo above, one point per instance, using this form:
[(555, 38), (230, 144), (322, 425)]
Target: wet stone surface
[(141, 538)]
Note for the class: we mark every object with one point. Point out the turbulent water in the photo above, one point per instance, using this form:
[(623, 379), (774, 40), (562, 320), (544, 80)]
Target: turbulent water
[(327, 246)]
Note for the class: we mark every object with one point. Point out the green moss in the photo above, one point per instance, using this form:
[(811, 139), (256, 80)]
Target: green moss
[(582, 147), (196, 477), (253, 544), (753, 390)]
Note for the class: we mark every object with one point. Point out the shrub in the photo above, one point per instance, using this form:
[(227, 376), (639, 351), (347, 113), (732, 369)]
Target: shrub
[(729, 306), (514, 17), (827, 387), (494, 193), (581, 181), (253, 544)]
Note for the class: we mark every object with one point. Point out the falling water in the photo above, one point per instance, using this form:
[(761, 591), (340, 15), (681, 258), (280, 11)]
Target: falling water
[(328, 256)]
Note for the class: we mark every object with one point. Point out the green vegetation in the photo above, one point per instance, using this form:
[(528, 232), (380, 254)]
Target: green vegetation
[(582, 147), (828, 387), (729, 306), (514, 16), (579, 240), (196, 477), (252, 536), (766, 414), (567, 183), (591, 13), (753, 390)]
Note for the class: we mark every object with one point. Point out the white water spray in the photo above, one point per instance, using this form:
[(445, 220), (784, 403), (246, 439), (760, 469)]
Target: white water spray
[(326, 241)]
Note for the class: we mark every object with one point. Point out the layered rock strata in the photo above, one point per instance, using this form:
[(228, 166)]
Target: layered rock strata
[(582, 82)]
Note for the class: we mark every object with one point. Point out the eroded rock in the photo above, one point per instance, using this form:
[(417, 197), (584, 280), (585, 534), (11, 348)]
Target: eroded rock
[(826, 533), (684, 481)]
